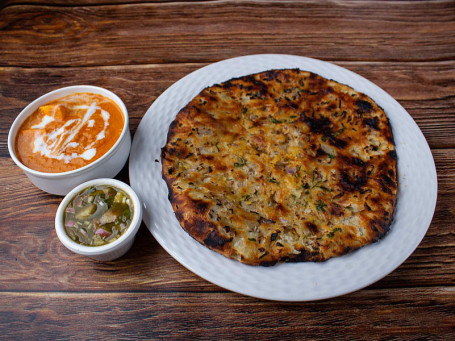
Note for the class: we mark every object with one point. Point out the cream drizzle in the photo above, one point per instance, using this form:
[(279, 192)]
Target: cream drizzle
[(46, 120), (55, 144)]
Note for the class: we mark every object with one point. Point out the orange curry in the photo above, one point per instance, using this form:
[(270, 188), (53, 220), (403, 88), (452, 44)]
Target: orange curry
[(69, 133)]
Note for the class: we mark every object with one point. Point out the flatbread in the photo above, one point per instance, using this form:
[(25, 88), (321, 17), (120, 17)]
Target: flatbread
[(282, 165)]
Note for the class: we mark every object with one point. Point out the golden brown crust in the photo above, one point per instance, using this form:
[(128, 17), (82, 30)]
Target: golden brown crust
[(283, 165)]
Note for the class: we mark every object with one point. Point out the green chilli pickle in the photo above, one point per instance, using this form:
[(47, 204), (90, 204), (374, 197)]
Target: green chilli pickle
[(98, 215)]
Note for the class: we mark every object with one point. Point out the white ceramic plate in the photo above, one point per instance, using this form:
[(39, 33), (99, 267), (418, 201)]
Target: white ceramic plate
[(289, 281)]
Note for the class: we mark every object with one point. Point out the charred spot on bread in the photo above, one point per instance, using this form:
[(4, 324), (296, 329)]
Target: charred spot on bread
[(214, 239), (363, 106)]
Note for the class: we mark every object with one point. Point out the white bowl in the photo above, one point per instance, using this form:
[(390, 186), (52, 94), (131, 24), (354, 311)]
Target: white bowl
[(106, 166), (109, 251)]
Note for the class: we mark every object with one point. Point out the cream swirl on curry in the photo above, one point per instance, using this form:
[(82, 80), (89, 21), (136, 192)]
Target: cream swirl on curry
[(69, 133)]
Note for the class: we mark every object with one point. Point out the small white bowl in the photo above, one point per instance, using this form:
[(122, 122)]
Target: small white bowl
[(106, 166), (109, 251)]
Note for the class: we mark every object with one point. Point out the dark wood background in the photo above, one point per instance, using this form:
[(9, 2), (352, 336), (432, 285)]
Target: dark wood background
[(138, 49)]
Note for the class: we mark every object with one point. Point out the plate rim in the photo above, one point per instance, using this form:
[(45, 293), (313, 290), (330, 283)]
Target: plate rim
[(184, 262)]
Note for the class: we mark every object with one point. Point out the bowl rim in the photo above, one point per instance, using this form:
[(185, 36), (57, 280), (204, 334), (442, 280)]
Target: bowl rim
[(31, 107), (106, 248)]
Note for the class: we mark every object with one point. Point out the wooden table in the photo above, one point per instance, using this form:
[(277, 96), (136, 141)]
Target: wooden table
[(138, 49)]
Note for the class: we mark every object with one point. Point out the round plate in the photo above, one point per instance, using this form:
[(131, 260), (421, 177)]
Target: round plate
[(288, 281)]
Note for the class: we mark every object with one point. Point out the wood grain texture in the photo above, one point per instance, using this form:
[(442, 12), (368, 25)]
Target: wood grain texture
[(425, 90), (74, 3), (375, 314), (214, 30)]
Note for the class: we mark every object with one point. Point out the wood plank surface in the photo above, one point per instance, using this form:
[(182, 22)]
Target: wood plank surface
[(374, 314), (214, 30), (137, 49), (431, 103), (73, 3)]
